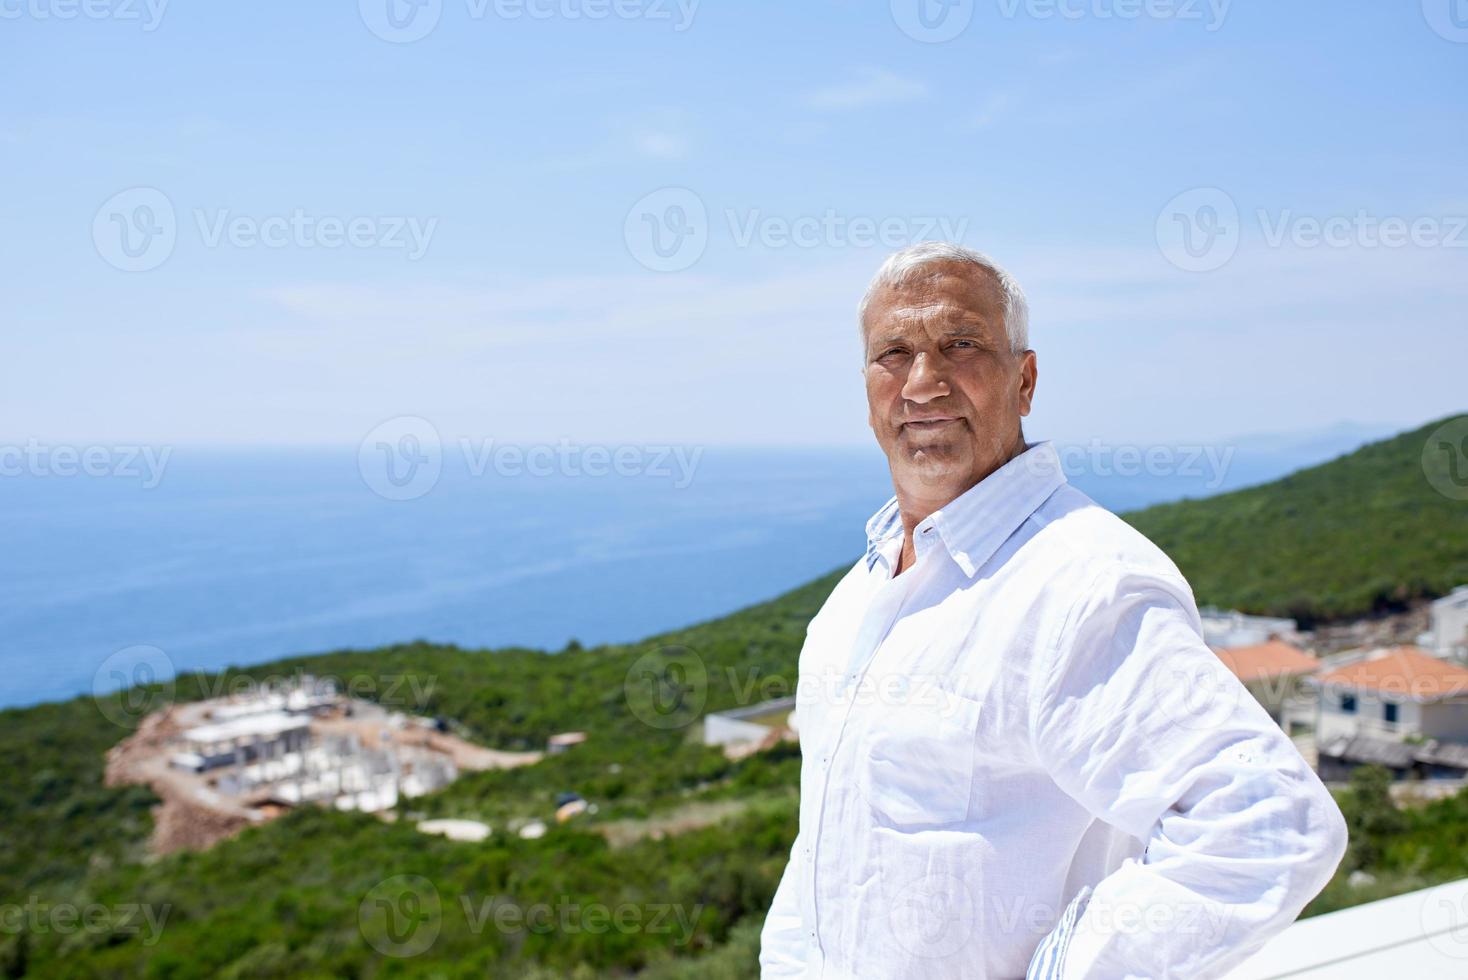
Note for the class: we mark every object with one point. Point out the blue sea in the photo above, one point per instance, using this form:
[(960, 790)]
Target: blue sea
[(238, 557)]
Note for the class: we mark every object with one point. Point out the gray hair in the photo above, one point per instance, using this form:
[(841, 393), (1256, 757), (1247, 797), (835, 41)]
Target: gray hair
[(907, 265)]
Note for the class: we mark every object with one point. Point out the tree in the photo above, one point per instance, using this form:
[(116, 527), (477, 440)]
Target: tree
[(1372, 817)]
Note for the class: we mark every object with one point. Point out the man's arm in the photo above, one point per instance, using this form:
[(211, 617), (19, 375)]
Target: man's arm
[(782, 940), (1141, 723)]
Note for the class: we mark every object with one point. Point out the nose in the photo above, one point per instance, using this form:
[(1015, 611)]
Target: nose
[(924, 380)]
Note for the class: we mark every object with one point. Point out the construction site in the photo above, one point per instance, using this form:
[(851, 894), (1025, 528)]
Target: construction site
[(224, 764)]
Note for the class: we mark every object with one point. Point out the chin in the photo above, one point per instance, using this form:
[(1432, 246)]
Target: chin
[(937, 464)]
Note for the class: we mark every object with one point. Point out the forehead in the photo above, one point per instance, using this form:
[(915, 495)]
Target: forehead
[(945, 294)]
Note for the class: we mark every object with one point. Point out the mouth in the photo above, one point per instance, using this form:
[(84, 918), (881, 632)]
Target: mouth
[(928, 424)]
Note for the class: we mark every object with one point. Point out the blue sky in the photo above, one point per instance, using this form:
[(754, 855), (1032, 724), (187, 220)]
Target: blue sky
[(504, 174)]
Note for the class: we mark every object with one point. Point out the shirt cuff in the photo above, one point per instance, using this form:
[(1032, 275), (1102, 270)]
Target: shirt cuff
[(1048, 963)]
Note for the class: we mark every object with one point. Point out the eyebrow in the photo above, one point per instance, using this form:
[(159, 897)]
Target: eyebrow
[(972, 332)]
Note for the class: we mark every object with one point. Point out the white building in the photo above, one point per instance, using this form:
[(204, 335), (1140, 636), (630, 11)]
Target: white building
[(564, 742), (1450, 624), (1223, 628), (1394, 694), (750, 725), (1274, 672), (244, 739)]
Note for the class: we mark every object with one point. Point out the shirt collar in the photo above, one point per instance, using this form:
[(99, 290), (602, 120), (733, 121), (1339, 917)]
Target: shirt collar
[(974, 524)]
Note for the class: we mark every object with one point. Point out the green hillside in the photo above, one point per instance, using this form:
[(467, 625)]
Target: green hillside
[(1363, 533), (286, 899)]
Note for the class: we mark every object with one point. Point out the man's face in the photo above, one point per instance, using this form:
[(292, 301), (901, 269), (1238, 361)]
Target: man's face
[(945, 392)]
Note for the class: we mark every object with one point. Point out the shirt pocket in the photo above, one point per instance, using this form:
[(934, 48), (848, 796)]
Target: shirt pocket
[(917, 764)]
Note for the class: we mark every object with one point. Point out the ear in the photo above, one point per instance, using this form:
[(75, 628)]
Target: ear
[(1028, 376)]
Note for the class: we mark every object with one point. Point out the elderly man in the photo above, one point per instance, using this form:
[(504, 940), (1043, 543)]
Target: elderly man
[(1019, 757)]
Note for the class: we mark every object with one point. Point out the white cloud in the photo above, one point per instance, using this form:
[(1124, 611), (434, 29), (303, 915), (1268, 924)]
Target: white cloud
[(990, 110), (661, 145), (652, 134), (874, 87), (1277, 339)]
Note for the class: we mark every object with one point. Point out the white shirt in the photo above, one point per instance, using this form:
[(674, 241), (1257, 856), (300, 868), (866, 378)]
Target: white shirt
[(1019, 755)]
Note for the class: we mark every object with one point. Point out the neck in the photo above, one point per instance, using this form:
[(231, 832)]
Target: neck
[(916, 502)]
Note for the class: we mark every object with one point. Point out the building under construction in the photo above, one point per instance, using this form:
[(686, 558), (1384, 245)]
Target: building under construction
[(226, 763)]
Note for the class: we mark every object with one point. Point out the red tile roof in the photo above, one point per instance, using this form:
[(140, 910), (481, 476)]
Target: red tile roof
[(1403, 671), (1274, 658)]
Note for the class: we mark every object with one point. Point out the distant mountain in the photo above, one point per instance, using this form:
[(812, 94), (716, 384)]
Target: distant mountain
[(1363, 533), (1323, 443)]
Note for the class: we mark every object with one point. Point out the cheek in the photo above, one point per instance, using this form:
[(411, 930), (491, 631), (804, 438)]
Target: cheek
[(988, 388), (882, 391), (975, 390)]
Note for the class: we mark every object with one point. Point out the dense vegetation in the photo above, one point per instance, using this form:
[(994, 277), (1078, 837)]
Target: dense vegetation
[(1360, 534), (287, 899), (300, 898), (1395, 848), (318, 893)]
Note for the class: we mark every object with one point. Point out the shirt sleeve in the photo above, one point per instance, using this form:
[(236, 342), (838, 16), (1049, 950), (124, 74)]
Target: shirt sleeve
[(1048, 963), (782, 940), (1140, 722)]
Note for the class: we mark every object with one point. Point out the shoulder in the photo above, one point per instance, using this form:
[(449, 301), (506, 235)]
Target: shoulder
[(1124, 612), (1081, 542), (1103, 580)]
